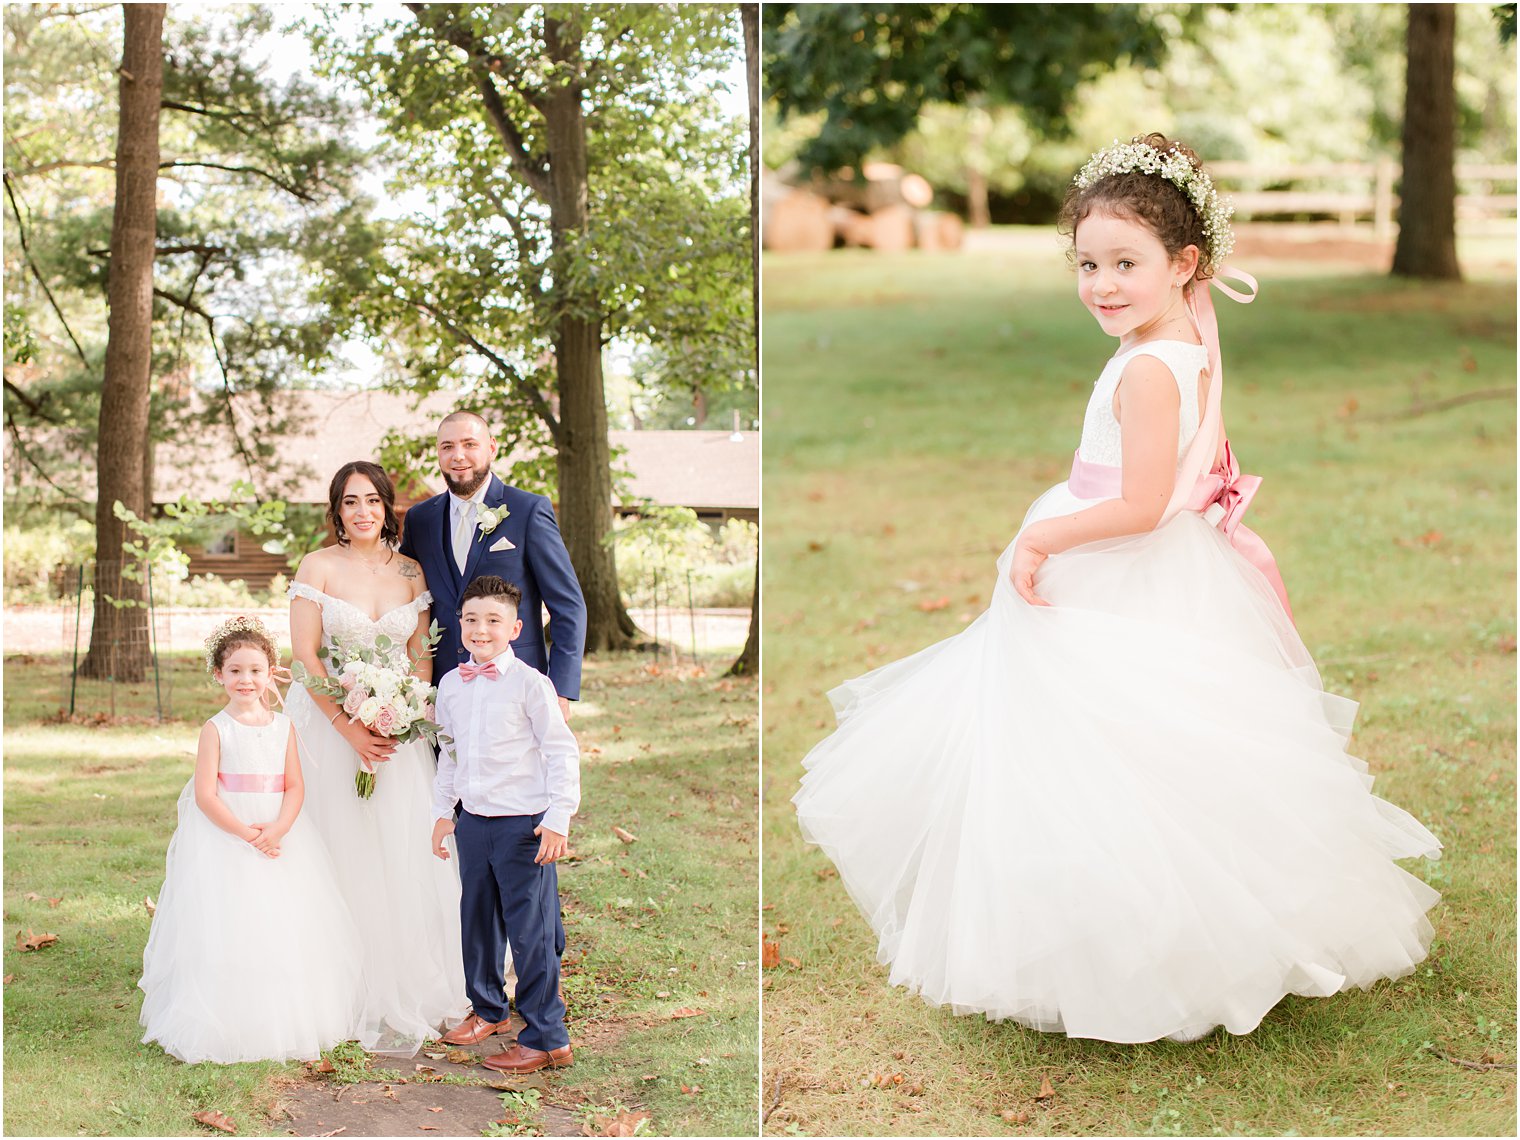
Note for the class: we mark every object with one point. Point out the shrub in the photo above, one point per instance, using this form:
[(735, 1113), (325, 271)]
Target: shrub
[(656, 553), (34, 554)]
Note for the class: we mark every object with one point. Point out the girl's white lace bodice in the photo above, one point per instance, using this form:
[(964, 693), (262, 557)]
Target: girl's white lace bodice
[(1100, 430), (257, 748), (345, 623)]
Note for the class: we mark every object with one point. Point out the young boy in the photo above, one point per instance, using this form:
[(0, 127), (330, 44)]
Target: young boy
[(513, 769)]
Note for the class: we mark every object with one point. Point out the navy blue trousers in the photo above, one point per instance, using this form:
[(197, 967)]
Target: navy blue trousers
[(506, 898)]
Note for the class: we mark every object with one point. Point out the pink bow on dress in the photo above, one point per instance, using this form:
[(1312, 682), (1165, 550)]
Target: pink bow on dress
[(1230, 490), (1224, 486)]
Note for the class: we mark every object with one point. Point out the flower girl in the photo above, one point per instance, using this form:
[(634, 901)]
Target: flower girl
[(252, 955), (1118, 805)]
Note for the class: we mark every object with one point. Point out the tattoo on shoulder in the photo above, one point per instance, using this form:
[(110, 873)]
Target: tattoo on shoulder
[(409, 568)]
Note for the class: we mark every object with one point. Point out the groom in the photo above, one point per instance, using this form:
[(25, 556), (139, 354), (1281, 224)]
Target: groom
[(482, 526)]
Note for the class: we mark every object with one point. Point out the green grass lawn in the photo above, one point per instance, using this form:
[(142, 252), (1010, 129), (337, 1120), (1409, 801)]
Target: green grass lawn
[(656, 926), (914, 406)]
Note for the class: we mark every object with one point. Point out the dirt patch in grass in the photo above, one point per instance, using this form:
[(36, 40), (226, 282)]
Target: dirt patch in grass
[(319, 1108)]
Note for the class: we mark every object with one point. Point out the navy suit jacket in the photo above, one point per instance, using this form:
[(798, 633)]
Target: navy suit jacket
[(537, 563)]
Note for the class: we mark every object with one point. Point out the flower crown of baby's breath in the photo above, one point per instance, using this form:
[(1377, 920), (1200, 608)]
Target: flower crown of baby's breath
[(1136, 157), (240, 624)]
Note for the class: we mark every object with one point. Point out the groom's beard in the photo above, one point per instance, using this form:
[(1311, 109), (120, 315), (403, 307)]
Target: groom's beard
[(464, 488)]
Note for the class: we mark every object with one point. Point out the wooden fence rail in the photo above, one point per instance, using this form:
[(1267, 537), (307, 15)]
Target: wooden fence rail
[(1357, 190)]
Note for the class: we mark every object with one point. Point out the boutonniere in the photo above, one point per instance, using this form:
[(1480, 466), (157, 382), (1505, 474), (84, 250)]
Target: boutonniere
[(489, 518)]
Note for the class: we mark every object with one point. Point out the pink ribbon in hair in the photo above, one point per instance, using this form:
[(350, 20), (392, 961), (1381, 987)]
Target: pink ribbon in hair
[(252, 781)]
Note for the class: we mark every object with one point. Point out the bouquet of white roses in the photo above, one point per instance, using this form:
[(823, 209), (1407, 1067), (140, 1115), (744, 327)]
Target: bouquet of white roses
[(379, 691)]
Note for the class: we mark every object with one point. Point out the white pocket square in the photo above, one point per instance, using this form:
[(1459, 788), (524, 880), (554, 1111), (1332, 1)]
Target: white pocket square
[(503, 544)]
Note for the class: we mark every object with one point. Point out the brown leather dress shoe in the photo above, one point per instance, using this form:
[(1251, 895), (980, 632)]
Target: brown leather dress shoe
[(473, 1030), (521, 1059)]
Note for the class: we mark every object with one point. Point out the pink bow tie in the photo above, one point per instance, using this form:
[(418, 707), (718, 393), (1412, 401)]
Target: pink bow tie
[(470, 672)]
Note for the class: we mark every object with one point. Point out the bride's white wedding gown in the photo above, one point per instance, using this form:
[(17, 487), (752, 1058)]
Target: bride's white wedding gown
[(404, 900), (1126, 816)]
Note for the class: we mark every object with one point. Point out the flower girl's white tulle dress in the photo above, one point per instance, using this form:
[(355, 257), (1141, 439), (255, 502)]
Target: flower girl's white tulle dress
[(249, 958), (1129, 815)]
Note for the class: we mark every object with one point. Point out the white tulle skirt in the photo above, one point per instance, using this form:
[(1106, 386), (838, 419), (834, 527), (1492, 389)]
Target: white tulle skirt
[(248, 958), (404, 900), (1127, 816)]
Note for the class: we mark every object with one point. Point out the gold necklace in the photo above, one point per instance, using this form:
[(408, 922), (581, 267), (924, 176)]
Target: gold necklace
[(373, 564)]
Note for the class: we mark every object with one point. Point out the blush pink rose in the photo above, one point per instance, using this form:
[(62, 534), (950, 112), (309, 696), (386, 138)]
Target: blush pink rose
[(387, 721), (347, 680), (355, 698)]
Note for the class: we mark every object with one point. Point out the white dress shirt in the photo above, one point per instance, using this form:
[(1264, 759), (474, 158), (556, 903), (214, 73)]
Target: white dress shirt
[(466, 510), (512, 752)]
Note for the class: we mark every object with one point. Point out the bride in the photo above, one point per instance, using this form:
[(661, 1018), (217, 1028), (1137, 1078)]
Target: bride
[(404, 901)]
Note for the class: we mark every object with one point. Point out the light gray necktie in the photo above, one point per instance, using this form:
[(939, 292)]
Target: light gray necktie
[(464, 530)]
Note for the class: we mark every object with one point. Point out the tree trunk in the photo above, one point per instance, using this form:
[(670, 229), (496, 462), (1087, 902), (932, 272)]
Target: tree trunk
[(748, 663), (1427, 242), (119, 636), (583, 459)]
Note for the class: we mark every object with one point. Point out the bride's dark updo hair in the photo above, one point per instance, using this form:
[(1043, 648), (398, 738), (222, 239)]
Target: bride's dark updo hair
[(1149, 199), (390, 529)]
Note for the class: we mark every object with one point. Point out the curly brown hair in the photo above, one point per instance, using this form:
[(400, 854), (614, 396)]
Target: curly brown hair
[(1148, 199), (244, 639)]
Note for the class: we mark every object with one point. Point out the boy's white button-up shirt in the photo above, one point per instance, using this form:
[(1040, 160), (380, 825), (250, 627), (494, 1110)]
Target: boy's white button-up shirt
[(512, 752)]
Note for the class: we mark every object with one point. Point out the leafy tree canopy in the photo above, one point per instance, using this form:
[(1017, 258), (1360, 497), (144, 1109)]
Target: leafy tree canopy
[(869, 69), (467, 284)]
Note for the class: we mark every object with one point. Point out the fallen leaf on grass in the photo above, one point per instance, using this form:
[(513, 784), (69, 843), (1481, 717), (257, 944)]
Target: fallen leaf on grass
[(691, 1090), (685, 1011), (623, 1124), (390, 1092), (1013, 1117), (9, 978), (31, 896), (625, 836), (827, 873), (650, 1077), (929, 605), (438, 1109), (34, 941), (1047, 1090), (460, 1057), (794, 963), (149, 905), (53, 903), (322, 1066), (770, 953), (218, 1120)]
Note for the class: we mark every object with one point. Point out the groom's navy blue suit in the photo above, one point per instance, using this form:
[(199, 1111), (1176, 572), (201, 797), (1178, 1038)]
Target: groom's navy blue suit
[(534, 560)]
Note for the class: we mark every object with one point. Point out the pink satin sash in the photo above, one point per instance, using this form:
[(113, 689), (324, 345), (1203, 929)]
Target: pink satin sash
[(252, 781), (1225, 485)]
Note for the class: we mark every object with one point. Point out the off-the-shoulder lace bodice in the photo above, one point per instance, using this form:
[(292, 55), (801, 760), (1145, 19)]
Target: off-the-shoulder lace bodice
[(1100, 430), (346, 623)]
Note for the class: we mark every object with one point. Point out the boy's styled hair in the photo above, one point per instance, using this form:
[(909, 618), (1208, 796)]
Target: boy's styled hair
[(490, 586)]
